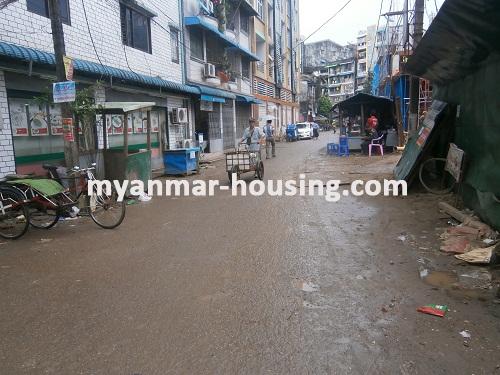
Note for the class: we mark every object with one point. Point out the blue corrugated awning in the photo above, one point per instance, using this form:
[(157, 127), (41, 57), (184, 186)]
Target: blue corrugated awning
[(214, 99), (211, 91), (248, 99), (88, 68), (200, 22)]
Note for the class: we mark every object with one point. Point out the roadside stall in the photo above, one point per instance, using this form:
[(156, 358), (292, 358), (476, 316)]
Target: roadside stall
[(122, 162), (354, 112)]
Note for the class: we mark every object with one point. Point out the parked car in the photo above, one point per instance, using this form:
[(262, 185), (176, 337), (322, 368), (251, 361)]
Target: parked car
[(305, 130)]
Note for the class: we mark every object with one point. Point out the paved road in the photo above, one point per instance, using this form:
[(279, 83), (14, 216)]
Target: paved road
[(226, 285)]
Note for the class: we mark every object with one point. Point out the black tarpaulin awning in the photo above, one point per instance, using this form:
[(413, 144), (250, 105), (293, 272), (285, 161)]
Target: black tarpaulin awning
[(462, 36), (362, 98)]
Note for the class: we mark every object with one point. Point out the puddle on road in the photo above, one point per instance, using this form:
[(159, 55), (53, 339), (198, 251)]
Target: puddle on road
[(441, 279), (456, 286)]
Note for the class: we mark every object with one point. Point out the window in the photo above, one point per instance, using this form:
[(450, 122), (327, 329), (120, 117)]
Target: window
[(260, 8), (41, 7), (245, 68), (136, 29), (174, 44), (244, 23), (270, 20), (196, 44)]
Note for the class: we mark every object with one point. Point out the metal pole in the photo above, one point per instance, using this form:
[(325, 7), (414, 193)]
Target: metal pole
[(415, 81), (70, 148)]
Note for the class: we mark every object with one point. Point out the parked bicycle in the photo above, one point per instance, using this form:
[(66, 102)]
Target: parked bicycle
[(14, 214), (46, 201)]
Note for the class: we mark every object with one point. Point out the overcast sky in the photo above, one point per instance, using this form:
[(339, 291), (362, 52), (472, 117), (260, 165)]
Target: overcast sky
[(355, 17)]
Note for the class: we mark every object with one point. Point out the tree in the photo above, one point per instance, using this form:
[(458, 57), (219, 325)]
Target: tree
[(324, 106), (367, 86)]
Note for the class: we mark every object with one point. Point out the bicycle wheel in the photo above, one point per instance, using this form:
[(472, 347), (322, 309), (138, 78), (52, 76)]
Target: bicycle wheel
[(260, 170), (434, 178), (105, 210), (14, 215), (42, 217)]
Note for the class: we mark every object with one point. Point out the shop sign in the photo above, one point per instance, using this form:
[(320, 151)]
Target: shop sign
[(64, 92), (68, 129), (68, 67), (39, 125), (206, 106)]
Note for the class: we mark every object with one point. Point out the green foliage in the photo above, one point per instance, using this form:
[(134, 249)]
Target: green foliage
[(324, 106)]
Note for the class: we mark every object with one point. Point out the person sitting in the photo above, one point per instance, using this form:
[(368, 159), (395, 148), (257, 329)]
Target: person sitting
[(371, 123)]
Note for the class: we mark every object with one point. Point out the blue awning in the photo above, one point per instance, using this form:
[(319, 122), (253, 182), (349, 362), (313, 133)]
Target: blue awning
[(200, 22), (213, 99), (210, 91), (248, 99), (88, 68)]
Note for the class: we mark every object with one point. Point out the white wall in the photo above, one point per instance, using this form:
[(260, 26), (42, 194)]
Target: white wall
[(7, 164), (19, 26)]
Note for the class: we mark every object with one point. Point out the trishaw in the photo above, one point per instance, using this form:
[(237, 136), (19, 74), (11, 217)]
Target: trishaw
[(242, 161)]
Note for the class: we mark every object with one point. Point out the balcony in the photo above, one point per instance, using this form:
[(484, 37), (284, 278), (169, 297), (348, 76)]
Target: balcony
[(228, 40)]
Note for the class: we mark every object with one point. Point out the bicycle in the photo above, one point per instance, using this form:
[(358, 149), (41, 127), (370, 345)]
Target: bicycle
[(46, 209), (14, 214)]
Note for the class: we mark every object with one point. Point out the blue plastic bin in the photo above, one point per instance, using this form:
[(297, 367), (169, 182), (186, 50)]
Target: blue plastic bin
[(181, 161)]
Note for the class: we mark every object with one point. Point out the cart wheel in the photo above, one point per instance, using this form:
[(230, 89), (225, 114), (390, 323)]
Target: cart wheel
[(234, 169), (260, 171)]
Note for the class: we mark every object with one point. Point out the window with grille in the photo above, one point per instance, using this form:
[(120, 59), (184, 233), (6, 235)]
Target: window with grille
[(41, 7), (136, 29), (174, 44)]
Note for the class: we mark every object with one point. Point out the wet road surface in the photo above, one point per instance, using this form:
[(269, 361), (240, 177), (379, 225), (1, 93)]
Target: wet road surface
[(251, 285)]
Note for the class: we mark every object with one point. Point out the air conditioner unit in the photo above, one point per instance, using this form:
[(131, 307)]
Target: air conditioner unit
[(179, 115), (209, 70)]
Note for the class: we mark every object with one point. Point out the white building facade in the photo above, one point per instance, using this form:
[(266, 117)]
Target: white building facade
[(133, 49)]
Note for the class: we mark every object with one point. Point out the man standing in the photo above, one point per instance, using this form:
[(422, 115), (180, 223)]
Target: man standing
[(251, 136), (269, 133)]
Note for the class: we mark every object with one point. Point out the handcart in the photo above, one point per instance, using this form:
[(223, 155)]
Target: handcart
[(242, 161)]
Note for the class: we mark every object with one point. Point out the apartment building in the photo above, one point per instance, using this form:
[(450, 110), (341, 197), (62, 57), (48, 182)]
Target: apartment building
[(341, 79), (131, 48), (322, 53), (219, 45), (277, 44)]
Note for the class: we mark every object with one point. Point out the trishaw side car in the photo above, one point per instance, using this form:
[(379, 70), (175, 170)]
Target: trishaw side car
[(242, 161)]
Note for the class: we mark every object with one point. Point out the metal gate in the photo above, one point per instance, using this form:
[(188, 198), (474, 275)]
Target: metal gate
[(228, 124), (243, 113)]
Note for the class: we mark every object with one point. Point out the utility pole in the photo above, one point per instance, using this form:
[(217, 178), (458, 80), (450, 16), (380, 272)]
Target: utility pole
[(70, 148), (418, 31)]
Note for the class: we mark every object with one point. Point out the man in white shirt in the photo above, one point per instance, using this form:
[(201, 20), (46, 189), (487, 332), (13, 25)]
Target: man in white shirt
[(269, 133)]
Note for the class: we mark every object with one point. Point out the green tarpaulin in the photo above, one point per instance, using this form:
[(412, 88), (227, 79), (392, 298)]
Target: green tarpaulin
[(43, 185)]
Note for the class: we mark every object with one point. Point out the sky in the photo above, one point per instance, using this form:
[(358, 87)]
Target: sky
[(356, 16)]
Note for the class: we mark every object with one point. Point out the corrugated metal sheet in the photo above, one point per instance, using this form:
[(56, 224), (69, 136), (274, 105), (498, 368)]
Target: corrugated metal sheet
[(461, 37), (87, 68)]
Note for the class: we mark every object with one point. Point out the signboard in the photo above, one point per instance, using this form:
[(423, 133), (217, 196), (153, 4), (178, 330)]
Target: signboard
[(64, 92), (417, 144), (155, 122), (68, 67), (39, 125), (19, 117), (454, 162), (206, 106), (138, 123), (117, 124), (68, 131)]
